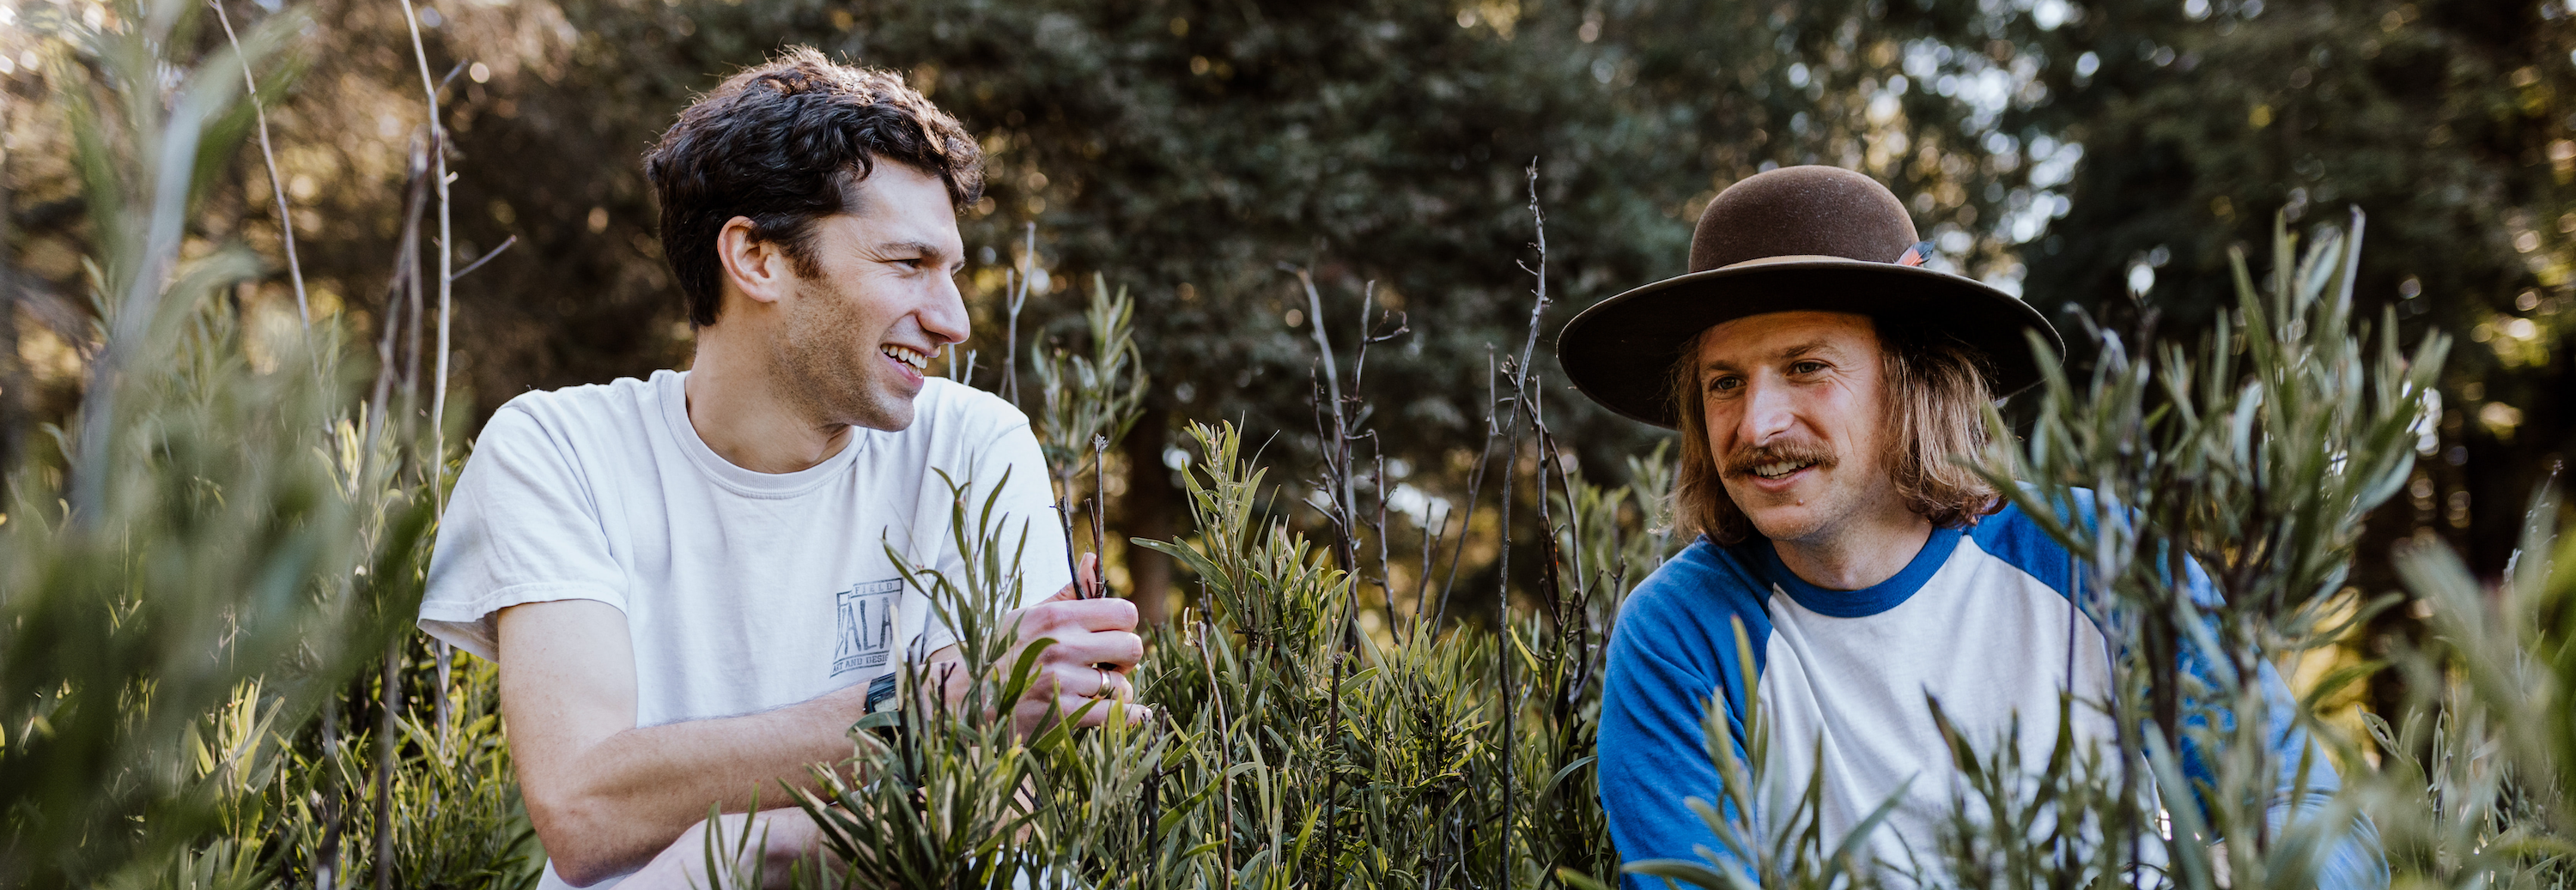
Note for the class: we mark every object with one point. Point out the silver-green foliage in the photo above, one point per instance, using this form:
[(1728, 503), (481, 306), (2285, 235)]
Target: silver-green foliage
[(2474, 789), (1090, 400), (225, 539), (1287, 749), (2253, 456), (219, 544)]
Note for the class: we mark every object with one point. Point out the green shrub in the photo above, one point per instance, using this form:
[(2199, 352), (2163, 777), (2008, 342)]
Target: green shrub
[(207, 677)]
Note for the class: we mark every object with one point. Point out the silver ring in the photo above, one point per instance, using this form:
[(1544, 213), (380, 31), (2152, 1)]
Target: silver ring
[(1102, 692)]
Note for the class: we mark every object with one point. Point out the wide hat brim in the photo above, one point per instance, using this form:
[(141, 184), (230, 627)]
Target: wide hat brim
[(1621, 351)]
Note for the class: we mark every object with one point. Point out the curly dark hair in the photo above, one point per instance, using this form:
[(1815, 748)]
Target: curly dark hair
[(785, 143)]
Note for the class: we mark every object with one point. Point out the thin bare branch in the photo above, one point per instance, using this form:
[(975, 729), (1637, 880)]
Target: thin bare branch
[(1019, 297), (268, 155), (1100, 500), (446, 287), (380, 398), (478, 263)]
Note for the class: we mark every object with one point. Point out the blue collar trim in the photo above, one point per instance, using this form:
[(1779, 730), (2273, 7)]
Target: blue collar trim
[(1866, 601)]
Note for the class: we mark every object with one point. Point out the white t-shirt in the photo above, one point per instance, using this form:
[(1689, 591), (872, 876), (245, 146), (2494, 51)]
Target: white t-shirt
[(743, 591)]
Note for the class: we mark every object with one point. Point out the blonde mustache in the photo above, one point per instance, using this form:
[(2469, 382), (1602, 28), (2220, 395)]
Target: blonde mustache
[(1742, 462)]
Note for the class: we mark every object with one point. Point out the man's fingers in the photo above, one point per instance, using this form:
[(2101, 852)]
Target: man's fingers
[(1053, 618), (1111, 685), (1079, 652), (1085, 584), (1073, 690), (1109, 614), (1096, 713), (1137, 715), (1044, 708), (1084, 671), (1071, 684), (1079, 680)]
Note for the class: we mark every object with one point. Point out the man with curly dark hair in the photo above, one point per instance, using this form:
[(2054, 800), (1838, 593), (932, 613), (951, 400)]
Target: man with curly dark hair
[(689, 582)]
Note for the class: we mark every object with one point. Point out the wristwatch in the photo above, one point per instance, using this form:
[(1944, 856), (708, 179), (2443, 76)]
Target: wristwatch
[(883, 710), (880, 692)]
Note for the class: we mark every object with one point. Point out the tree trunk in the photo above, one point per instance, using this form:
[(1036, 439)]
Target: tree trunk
[(1146, 512)]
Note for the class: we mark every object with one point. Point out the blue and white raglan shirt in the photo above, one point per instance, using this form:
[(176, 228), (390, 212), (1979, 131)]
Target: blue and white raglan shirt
[(1980, 620)]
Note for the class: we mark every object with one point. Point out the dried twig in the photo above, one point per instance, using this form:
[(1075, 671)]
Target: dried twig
[(390, 704), (1359, 371), (1072, 569), (446, 287), (1475, 489), (478, 263), (411, 324), (1431, 539), (268, 155), (446, 256), (326, 859), (1019, 297), (407, 249), (1100, 503), (1521, 401), (1336, 449)]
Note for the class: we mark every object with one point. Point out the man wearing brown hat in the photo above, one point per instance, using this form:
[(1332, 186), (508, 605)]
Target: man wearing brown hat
[(1822, 381)]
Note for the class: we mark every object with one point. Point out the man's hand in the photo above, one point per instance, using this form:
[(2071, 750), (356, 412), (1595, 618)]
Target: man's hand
[(1095, 647), (606, 795)]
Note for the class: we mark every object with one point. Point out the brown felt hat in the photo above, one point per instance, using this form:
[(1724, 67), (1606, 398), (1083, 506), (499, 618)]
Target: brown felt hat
[(1819, 239)]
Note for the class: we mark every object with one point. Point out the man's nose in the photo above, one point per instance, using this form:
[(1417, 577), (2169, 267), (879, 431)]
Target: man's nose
[(1767, 412), (945, 317)]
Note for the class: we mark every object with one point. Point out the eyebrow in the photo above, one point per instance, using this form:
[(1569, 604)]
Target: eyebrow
[(920, 247), (925, 249), (1790, 353)]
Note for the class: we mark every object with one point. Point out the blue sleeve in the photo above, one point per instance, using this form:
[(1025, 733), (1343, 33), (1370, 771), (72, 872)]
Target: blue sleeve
[(1666, 667), (2356, 862)]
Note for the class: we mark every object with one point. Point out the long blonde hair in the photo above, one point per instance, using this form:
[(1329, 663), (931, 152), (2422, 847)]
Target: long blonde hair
[(1934, 388)]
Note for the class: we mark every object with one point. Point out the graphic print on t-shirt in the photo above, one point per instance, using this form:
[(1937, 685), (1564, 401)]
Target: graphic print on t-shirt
[(866, 614)]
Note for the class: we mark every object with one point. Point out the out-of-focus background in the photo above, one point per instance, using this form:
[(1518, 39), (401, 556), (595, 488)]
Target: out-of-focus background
[(215, 511), (2098, 157)]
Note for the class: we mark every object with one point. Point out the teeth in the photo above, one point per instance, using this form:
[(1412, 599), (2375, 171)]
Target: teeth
[(1777, 470), (918, 360)]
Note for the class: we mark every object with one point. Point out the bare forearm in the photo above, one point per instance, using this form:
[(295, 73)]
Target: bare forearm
[(613, 804), (606, 795), (772, 846)]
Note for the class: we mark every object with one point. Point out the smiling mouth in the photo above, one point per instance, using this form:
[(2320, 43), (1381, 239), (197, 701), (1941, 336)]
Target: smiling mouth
[(1781, 469), (920, 361)]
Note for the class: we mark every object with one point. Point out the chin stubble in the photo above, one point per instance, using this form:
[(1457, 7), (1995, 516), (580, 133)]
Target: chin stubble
[(831, 385)]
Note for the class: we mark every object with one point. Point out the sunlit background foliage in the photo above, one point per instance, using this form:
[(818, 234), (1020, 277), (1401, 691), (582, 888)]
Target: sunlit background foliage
[(2078, 152), (2097, 157)]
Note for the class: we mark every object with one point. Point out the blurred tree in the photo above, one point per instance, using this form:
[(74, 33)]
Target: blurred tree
[(1183, 148), (2448, 123), (1192, 149)]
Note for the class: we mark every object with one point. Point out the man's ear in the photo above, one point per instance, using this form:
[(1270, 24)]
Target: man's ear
[(759, 269)]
